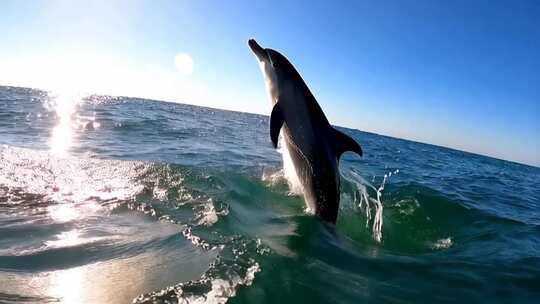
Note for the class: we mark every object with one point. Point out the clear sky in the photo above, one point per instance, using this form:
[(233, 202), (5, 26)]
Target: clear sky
[(462, 74)]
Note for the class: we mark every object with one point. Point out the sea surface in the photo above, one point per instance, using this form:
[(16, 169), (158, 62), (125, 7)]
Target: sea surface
[(119, 200)]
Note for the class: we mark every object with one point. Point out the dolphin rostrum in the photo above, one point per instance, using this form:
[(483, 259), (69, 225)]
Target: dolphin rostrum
[(314, 146)]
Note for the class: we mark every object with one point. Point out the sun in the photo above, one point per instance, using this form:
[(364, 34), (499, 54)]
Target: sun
[(184, 63)]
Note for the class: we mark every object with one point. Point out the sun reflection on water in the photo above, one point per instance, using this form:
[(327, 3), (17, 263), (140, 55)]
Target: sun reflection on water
[(69, 285), (63, 213), (66, 239), (65, 105)]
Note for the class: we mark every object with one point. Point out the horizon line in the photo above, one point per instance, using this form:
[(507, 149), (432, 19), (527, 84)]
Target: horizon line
[(535, 166)]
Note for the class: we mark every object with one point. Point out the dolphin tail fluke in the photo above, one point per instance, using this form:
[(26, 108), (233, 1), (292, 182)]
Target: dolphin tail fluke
[(343, 143), (276, 121)]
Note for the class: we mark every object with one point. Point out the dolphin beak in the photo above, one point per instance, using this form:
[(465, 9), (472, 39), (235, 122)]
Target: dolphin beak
[(257, 50)]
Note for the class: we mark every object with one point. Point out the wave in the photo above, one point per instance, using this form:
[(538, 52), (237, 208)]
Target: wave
[(233, 224)]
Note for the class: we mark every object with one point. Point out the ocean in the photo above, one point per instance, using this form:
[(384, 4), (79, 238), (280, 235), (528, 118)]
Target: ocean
[(119, 200)]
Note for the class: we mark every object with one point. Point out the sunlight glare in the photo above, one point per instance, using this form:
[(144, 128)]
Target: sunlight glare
[(66, 239), (63, 212), (84, 72), (65, 105), (184, 63), (69, 284)]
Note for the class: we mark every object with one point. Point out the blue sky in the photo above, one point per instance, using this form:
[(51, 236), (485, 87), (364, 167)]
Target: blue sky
[(462, 74)]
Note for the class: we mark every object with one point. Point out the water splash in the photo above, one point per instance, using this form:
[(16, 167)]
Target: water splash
[(233, 268), (444, 243), (372, 207), (273, 177), (205, 290)]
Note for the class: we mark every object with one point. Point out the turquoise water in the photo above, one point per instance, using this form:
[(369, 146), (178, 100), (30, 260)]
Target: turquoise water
[(114, 200)]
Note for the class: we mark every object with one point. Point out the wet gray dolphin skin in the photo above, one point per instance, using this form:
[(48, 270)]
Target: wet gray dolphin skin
[(313, 144)]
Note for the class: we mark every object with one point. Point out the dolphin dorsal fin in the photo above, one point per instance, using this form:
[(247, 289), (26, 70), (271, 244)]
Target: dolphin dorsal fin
[(343, 143), (276, 121)]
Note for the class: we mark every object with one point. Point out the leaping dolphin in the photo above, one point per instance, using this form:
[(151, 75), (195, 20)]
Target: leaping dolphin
[(313, 144)]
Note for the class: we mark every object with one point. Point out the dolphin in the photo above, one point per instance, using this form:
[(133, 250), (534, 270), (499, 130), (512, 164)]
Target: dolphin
[(314, 146)]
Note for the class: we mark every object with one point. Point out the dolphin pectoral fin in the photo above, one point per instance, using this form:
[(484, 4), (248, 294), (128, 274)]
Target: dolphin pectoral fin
[(343, 143), (276, 121)]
